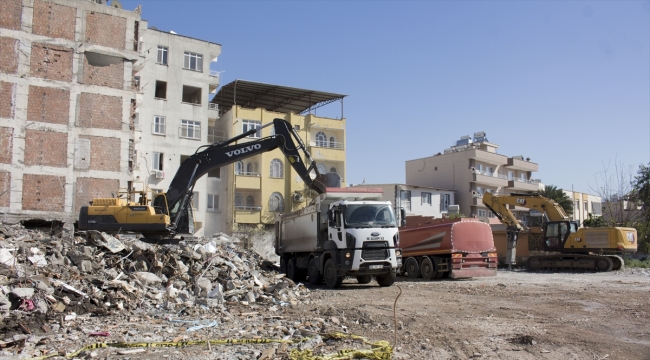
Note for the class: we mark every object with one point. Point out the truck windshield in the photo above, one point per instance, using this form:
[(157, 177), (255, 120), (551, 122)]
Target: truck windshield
[(368, 215)]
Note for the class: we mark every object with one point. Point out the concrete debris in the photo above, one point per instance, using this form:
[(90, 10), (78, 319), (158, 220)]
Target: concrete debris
[(56, 289)]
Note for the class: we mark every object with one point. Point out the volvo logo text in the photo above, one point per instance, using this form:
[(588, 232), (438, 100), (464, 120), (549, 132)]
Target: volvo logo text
[(243, 150)]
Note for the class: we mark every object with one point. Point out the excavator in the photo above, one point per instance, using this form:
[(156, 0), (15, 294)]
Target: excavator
[(170, 213), (569, 246)]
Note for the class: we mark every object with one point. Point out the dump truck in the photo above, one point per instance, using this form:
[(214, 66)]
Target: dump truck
[(439, 248), (342, 232)]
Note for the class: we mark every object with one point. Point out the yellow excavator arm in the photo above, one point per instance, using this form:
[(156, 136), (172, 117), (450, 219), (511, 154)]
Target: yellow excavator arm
[(499, 205)]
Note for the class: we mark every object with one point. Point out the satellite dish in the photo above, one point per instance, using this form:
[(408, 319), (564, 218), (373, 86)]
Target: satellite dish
[(116, 4)]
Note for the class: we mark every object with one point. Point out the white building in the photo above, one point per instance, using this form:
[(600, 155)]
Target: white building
[(174, 115), (416, 200)]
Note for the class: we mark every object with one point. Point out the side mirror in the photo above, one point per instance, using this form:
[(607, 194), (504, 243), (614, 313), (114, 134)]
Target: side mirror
[(332, 223), (402, 216)]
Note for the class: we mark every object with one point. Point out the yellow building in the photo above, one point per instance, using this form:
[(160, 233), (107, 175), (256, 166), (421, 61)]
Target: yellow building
[(257, 188)]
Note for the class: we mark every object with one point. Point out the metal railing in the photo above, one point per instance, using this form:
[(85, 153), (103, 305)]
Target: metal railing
[(214, 73), (327, 144), (213, 106), (215, 135), (247, 173), (491, 174), (248, 207)]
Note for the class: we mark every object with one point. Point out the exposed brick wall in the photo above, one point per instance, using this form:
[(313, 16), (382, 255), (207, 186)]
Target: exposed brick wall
[(10, 11), (111, 75), (6, 144), (51, 62), (6, 99), (5, 185), (46, 148), (106, 30), (8, 54), (100, 111), (87, 189), (50, 105), (43, 192), (104, 153), (54, 20)]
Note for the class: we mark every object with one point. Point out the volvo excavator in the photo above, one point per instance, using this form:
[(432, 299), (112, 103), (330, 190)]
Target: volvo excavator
[(170, 213), (570, 247)]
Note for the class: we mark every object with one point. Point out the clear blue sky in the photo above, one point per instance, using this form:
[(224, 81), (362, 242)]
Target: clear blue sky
[(566, 83)]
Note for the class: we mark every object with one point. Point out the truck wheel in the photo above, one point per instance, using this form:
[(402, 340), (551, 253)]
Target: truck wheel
[(364, 279), (427, 269), (315, 277), (412, 268), (604, 263), (332, 279), (386, 279), (292, 271)]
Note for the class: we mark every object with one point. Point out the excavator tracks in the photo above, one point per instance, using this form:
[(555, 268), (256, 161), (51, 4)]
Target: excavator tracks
[(601, 263)]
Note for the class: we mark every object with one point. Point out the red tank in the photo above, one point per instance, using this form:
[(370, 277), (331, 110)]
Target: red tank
[(437, 248)]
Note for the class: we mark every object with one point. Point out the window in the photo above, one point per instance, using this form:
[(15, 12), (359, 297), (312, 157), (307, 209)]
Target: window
[(239, 168), (276, 168), (322, 168), (191, 95), (490, 214), (405, 199), (490, 171), (195, 200), (161, 90), (482, 213), (523, 177), (444, 202), (480, 190), (511, 175), (596, 208), (321, 139), (426, 198), (479, 167), (576, 209), (275, 202), (586, 207), (333, 143), (248, 125), (251, 169), (158, 127), (213, 202), (162, 55), (250, 200), (239, 200), (158, 161), (193, 61), (191, 129), (214, 173)]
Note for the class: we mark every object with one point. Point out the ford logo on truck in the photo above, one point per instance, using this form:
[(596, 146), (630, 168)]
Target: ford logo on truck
[(375, 236)]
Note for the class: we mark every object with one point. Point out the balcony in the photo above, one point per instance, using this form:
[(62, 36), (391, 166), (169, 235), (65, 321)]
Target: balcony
[(332, 151), (487, 157), (248, 215), (215, 135), (245, 180), (489, 179), (523, 185), (518, 163), (326, 144)]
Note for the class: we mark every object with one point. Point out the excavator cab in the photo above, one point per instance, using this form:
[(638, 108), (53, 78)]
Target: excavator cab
[(556, 233)]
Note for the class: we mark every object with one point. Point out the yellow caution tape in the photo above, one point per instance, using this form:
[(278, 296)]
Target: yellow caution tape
[(381, 350)]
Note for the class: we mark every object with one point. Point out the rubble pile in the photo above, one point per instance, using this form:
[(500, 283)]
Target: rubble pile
[(57, 289)]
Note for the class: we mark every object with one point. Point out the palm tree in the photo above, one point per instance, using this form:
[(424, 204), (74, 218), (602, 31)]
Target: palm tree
[(559, 196)]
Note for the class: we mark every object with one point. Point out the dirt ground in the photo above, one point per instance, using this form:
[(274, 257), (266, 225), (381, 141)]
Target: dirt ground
[(515, 315)]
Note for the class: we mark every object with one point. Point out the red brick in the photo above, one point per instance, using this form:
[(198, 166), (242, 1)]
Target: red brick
[(6, 144), (6, 100), (54, 20), (50, 105), (87, 189), (100, 111), (106, 30), (104, 153), (46, 148), (43, 192), (8, 55), (5, 185), (110, 76), (10, 11), (51, 62)]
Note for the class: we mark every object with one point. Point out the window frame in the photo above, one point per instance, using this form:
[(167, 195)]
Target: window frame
[(159, 122), (195, 200), (445, 200), (321, 139), (158, 161), (164, 50), (279, 173), (188, 56), (214, 199), (280, 202), (425, 198), (187, 125), (247, 125), (404, 200)]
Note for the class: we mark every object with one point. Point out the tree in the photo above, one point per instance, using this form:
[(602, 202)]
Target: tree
[(641, 202), (559, 196), (615, 186)]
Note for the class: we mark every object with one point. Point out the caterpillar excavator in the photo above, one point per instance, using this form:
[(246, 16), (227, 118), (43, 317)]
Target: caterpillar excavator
[(570, 247), (170, 213)]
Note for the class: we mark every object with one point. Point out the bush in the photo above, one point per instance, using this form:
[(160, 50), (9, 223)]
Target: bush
[(634, 263)]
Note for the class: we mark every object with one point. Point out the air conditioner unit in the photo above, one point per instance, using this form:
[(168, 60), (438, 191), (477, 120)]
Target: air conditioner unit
[(160, 174), (453, 209), (297, 197)]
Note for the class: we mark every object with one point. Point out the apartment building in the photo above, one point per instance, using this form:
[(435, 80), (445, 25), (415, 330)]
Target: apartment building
[(173, 115), (416, 200), (66, 105), (584, 204), (472, 167), (259, 187)]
